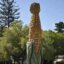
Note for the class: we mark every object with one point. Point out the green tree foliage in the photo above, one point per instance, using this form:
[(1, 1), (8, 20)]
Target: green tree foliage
[(53, 45), (8, 12), (59, 27), (14, 40), (49, 50), (3, 53), (58, 42)]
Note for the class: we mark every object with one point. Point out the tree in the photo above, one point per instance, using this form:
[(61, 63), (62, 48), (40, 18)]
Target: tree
[(8, 12), (49, 50), (53, 44), (15, 39), (58, 42), (59, 27)]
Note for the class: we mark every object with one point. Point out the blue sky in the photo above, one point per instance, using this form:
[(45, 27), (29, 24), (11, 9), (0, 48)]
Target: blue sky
[(52, 11)]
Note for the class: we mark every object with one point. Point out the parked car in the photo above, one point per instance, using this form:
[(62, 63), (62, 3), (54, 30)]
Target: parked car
[(59, 59)]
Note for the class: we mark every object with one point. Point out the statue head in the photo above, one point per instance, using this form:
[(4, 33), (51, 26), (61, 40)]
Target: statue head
[(35, 8)]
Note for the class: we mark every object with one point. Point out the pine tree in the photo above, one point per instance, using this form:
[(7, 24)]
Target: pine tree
[(8, 12)]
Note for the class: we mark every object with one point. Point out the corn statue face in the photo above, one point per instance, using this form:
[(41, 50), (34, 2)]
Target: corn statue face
[(34, 47)]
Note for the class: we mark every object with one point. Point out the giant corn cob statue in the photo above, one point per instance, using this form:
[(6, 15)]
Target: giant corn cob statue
[(35, 27), (34, 49)]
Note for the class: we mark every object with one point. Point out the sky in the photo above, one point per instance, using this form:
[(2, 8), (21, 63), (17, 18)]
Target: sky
[(51, 12)]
